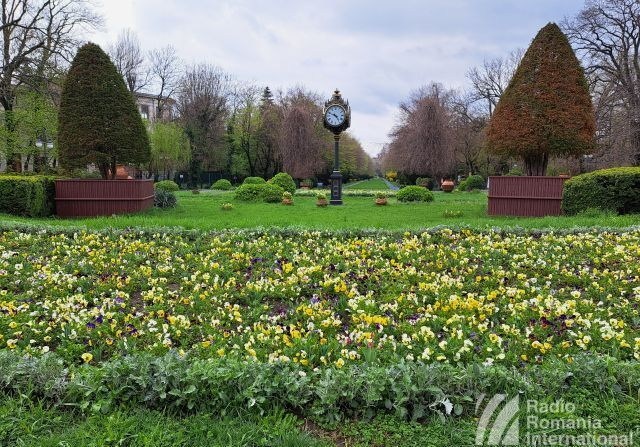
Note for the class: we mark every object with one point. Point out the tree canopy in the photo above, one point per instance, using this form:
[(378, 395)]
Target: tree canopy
[(99, 122), (546, 110)]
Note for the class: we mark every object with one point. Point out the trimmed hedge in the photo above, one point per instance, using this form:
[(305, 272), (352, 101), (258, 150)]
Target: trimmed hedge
[(222, 184), (167, 185), (616, 189), (254, 181), (414, 194), (285, 181), (28, 195), (254, 192)]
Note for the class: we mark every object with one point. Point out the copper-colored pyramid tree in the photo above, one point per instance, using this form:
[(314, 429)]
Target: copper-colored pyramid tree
[(546, 110)]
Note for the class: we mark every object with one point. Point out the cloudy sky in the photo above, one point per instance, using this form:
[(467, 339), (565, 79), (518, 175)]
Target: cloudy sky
[(375, 51)]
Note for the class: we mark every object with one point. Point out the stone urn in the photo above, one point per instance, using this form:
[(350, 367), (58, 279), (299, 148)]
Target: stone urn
[(447, 185)]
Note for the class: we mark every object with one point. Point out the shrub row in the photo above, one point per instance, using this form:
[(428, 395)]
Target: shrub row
[(28, 195), (616, 189), (220, 386)]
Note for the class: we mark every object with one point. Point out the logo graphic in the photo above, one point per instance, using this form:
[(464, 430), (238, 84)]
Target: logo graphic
[(504, 428)]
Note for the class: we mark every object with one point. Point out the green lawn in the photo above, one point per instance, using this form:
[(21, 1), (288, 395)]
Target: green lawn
[(375, 184), (203, 211)]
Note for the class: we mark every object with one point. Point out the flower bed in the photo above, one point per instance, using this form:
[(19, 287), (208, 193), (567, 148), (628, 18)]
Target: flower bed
[(346, 192), (321, 299)]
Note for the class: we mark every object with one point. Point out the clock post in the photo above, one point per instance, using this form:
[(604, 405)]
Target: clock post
[(337, 118)]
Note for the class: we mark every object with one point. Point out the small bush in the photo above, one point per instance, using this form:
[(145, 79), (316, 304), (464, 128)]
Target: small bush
[(472, 182), (272, 193), (284, 181), (254, 181), (195, 191), (167, 185), (321, 196), (414, 194), (27, 195), (425, 182), (165, 199), (381, 195), (616, 190), (222, 184), (227, 206)]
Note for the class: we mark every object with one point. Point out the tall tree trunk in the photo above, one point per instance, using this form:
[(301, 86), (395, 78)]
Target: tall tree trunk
[(536, 164), (635, 140), (14, 161)]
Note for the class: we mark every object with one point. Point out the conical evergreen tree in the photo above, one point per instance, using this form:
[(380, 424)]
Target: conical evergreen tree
[(99, 122), (546, 110)]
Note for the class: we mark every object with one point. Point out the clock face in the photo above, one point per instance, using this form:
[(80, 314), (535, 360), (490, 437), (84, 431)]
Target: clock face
[(335, 115)]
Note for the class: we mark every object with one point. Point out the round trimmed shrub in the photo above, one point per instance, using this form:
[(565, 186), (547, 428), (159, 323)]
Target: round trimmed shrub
[(414, 194), (272, 193), (616, 189), (249, 192), (164, 199), (167, 185), (255, 192), (223, 184), (254, 181), (285, 181)]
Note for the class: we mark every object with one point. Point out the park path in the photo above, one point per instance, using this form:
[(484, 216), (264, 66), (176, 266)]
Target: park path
[(391, 186)]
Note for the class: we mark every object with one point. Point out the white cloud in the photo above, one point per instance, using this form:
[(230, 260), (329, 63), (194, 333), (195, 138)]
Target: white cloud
[(376, 52)]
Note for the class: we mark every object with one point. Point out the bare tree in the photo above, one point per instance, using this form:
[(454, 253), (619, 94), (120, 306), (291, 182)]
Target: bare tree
[(606, 33), (34, 35), (165, 70), (202, 101), (467, 125), (421, 143), (129, 59), (491, 79), (301, 142)]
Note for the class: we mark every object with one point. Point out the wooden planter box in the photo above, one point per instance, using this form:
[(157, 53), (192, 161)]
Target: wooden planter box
[(81, 198), (525, 196)]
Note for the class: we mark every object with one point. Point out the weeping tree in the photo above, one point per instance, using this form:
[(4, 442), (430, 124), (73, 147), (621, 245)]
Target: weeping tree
[(546, 110), (99, 122)]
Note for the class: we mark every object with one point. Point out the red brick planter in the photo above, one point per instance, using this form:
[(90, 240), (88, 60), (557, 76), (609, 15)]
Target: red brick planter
[(81, 198), (525, 196)]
